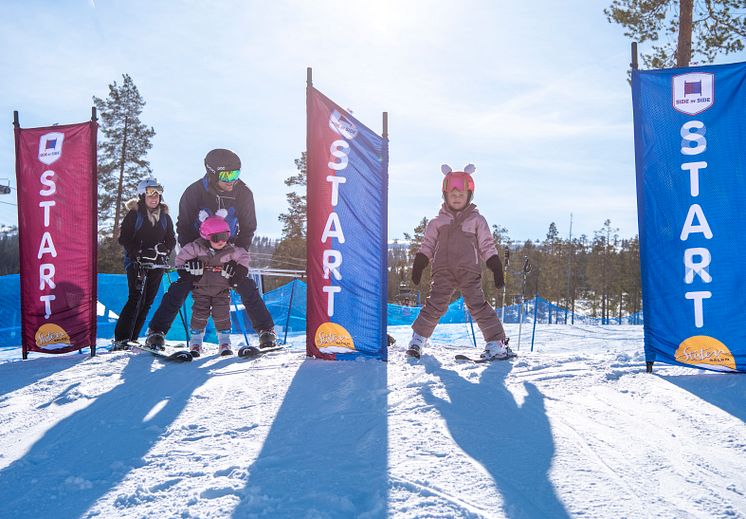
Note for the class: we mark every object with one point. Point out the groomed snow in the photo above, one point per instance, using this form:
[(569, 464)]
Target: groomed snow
[(573, 429)]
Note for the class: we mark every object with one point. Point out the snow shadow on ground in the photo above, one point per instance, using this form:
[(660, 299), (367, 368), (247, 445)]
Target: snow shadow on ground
[(326, 453), (724, 390), (84, 456), (512, 441), (16, 375)]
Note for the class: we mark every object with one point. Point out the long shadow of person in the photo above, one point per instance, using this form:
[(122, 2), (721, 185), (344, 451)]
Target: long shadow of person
[(82, 457), (513, 443), (326, 453)]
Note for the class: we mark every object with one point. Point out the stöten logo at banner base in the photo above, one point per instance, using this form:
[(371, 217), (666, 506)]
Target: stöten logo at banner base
[(50, 147), (693, 93)]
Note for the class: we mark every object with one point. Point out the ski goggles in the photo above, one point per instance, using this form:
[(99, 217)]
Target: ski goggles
[(229, 176), (153, 190), (219, 236), (458, 180)]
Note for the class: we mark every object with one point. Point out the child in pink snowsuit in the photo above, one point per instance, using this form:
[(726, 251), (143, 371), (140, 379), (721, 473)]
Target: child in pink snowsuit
[(216, 265), (454, 242)]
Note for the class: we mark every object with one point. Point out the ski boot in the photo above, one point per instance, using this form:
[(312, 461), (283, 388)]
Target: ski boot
[(155, 340), (267, 339), (416, 343), (119, 345), (195, 350), (497, 350), (225, 350), (248, 351)]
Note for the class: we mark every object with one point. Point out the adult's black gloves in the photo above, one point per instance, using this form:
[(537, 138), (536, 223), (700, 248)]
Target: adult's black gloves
[(420, 262), (496, 266)]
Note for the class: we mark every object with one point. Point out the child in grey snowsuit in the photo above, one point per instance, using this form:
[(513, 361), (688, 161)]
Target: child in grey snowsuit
[(215, 265), (454, 242)]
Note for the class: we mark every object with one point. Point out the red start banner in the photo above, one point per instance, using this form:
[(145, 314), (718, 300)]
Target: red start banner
[(57, 229)]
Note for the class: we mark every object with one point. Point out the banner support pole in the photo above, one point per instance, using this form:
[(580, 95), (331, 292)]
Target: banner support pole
[(17, 127), (309, 76), (634, 55)]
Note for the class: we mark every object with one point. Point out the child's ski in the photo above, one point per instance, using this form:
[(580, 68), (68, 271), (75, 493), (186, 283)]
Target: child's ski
[(176, 356), (482, 361), (252, 352)]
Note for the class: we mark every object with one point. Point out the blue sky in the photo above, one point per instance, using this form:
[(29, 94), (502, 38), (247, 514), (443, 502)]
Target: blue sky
[(534, 94)]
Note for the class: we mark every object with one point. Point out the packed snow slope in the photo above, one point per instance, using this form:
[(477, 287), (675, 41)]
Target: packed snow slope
[(573, 429)]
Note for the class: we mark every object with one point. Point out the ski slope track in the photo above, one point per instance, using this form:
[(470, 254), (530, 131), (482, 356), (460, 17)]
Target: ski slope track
[(575, 428)]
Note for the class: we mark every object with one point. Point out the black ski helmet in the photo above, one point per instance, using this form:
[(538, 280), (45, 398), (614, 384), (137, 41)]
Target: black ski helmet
[(221, 160)]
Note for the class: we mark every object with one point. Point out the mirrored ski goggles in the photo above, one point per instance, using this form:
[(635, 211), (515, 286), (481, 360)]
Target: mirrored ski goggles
[(229, 176), (459, 180), (153, 190), (219, 236)]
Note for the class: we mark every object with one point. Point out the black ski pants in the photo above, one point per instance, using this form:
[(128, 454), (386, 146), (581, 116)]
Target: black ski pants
[(139, 301), (177, 293)]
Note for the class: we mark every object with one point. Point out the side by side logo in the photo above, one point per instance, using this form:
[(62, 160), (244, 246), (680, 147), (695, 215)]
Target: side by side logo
[(693, 93), (342, 125), (50, 147)]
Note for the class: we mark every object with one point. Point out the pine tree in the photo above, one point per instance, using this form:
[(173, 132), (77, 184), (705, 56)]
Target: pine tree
[(122, 151), (291, 251), (689, 29)]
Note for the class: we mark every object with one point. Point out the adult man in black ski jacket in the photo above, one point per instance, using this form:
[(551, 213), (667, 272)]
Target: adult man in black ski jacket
[(220, 188)]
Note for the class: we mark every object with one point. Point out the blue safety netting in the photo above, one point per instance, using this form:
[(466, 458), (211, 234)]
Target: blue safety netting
[(286, 304)]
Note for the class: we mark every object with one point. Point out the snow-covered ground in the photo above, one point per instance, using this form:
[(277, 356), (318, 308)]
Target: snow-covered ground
[(573, 429)]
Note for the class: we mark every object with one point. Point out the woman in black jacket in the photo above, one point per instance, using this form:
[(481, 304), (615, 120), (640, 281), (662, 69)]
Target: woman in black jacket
[(147, 235)]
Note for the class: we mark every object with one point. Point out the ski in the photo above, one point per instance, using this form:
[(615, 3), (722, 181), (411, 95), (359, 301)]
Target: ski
[(175, 356), (482, 361), (254, 353)]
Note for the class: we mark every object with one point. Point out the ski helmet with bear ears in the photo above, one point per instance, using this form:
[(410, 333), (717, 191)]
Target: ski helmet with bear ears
[(460, 180), (214, 224)]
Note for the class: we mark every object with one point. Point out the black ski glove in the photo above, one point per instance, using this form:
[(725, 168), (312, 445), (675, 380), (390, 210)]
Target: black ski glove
[(496, 266), (234, 272), (193, 268), (420, 262)]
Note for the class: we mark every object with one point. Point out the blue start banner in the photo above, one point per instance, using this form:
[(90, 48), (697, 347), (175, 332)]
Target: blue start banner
[(690, 146), (347, 192)]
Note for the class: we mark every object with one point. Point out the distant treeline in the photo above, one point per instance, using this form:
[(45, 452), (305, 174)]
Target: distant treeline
[(603, 271)]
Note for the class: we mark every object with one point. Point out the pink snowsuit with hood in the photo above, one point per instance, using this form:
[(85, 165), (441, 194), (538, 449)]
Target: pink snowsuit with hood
[(454, 242), (211, 294)]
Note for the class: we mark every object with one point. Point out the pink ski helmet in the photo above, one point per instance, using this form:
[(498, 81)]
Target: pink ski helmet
[(461, 180), (214, 227)]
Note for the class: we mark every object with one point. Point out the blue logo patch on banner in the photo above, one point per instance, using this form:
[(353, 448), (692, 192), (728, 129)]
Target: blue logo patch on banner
[(691, 196)]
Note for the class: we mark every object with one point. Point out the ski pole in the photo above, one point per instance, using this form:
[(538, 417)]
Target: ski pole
[(526, 269), (183, 319), (505, 288), (471, 323), (536, 308), (290, 307)]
